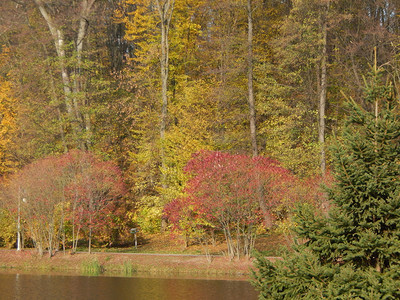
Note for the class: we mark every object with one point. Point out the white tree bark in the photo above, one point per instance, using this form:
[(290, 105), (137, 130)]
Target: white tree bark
[(252, 110), (72, 103)]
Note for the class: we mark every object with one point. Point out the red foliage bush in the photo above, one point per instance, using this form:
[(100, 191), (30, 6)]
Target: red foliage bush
[(76, 187), (233, 193)]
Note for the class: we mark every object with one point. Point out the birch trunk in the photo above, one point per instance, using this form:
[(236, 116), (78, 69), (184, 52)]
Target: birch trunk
[(71, 89), (252, 110)]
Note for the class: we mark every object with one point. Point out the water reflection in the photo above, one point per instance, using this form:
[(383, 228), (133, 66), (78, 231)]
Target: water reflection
[(28, 286), (18, 293)]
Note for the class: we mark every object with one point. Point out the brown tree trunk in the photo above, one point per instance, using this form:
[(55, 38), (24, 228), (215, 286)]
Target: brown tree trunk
[(252, 110), (165, 9), (323, 91)]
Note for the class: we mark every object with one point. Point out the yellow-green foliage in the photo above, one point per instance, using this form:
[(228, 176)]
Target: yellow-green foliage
[(7, 229), (148, 214), (141, 28), (194, 111), (288, 127)]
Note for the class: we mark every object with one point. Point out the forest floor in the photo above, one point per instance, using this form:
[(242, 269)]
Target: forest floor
[(157, 254)]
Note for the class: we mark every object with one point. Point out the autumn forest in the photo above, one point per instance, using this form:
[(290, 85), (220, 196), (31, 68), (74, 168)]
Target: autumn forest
[(192, 117)]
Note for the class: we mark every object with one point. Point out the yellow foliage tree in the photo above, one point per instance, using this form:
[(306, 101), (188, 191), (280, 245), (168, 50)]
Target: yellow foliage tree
[(194, 111), (157, 159), (8, 124)]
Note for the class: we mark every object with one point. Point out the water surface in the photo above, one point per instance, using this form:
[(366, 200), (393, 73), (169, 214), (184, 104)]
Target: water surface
[(39, 286)]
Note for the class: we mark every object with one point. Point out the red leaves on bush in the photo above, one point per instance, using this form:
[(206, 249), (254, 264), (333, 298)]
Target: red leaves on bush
[(92, 187), (226, 188), (77, 186)]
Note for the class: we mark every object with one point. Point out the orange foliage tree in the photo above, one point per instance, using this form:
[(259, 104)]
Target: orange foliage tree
[(74, 192)]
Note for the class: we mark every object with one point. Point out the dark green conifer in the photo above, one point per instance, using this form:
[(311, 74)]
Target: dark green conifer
[(355, 252)]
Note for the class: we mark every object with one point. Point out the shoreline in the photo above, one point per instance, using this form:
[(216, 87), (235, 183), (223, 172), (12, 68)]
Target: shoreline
[(127, 264)]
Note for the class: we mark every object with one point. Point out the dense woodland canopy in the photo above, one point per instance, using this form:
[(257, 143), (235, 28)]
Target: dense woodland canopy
[(146, 84)]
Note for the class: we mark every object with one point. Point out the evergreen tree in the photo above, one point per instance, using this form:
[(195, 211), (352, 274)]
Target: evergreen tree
[(354, 253)]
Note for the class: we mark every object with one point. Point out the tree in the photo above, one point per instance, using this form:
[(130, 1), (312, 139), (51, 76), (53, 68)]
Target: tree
[(323, 86), (363, 26), (355, 251), (93, 187), (158, 162), (76, 187), (40, 184), (46, 123), (7, 234), (165, 9), (142, 29), (71, 77), (252, 110), (223, 193), (288, 85), (188, 218), (8, 126)]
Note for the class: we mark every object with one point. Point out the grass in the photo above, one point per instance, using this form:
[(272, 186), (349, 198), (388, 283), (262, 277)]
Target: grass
[(122, 265), (270, 244), (129, 269), (144, 250), (126, 268), (92, 267), (118, 264)]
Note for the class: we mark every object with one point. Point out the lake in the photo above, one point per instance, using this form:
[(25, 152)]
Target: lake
[(39, 286)]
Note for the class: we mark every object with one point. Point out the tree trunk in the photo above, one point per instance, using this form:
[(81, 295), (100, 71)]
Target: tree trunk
[(72, 103), (229, 242), (83, 26), (90, 239), (75, 233), (19, 219), (91, 211), (59, 42), (50, 240), (323, 91), (165, 9), (76, 240), (164, 94), (252, 111)]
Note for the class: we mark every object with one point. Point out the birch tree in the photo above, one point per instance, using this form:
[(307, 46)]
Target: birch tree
[(72, 80), (252, 110)]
